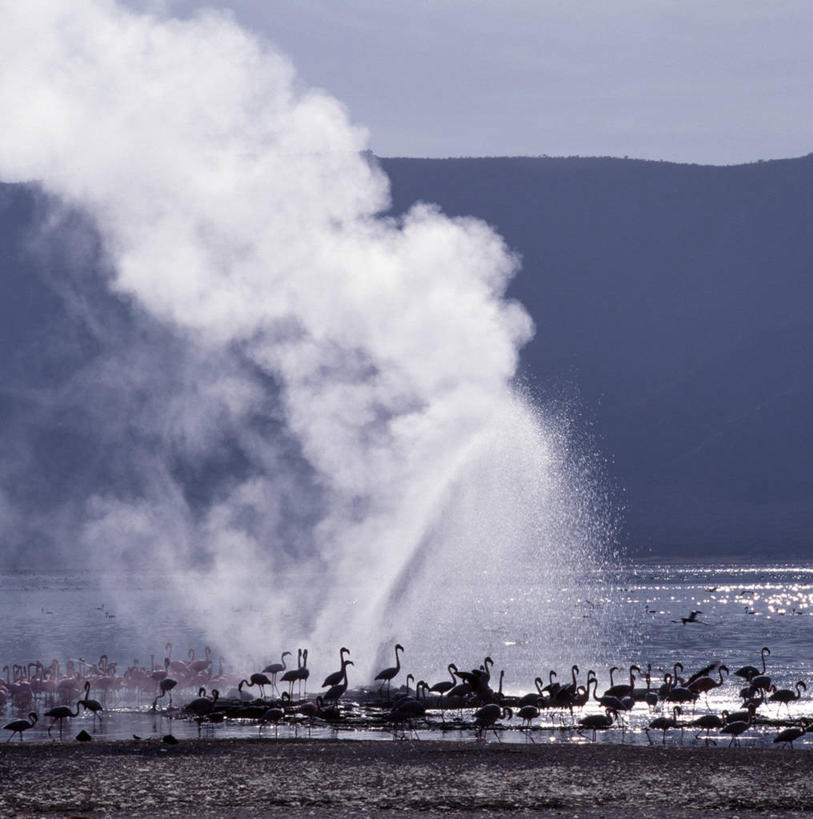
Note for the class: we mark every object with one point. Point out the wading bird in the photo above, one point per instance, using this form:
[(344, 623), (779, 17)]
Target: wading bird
[(735, 729), (336, 677), (664, 724), (704, 684), (336, 691), (707, 723), (790, 735), (94, 706), (597, 722), (199, 666), (292, 674), (202, 706), (786, 695), (408, 708), (275, 668), (166, 685), (534, 697), (59, 714), (527, 714), (303, 673), (748, 672), (445, 686), (17, 726), (487, 716), (623, 689), (387, 675), (260, 680), (275, 714)]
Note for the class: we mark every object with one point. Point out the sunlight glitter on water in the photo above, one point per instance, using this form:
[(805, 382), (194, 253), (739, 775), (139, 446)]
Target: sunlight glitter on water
[(637, 607)]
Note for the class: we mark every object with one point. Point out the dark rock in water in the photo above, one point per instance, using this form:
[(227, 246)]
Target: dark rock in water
[(169, 740), (84, 736)]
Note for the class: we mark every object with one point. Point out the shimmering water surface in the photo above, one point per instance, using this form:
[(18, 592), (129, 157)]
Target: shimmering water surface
[(629, 614)]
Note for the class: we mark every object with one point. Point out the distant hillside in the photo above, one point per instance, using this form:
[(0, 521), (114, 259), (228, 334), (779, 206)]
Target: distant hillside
[(673, 311), (676, 300)]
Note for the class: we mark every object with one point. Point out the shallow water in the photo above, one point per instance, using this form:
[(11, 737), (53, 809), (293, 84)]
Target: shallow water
[(617, 617)]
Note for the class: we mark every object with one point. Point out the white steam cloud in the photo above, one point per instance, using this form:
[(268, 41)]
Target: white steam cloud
[(362, 364)]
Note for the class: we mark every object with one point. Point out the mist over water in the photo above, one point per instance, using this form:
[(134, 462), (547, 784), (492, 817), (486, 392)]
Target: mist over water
[(321, 443)]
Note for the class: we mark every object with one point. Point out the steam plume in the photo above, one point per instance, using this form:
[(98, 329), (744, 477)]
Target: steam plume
[(353, 371)]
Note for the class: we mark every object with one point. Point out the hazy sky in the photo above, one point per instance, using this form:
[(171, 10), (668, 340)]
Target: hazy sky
[(685, 80)]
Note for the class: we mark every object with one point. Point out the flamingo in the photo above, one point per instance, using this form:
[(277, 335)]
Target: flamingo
[(303, 673), (680, 694), (789, 735), (17, 726), (745, 715), (482, 673), (60, 713), (572, 686), (528, 713), (202, 706), (706, 723), (336, 677), (388, 673), (166, 685), (311, 710), (533, 697), (488, 715), (552, 687), (670, 680), (257, 679), (335, 691), (705, 683), (664, 724), (748, 672), (404, 692), (199, 666), (292, 675), (408, 708), (444, 686), (607, 700), (94, 706), (735, 729), (273, 714), (786, 695), (462, 689), (646, 695), (703, 672), (275, 668), (623, 689), (68, 688), (159, 674), (580, 698), (176, 666), (598, 722), (478, 680), (761, 683)]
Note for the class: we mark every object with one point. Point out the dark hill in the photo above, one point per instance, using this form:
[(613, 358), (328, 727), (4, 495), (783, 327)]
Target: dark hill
[(673, 300), (676, 300)]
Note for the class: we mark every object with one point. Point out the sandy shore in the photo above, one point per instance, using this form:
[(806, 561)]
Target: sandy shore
[(343, 778)]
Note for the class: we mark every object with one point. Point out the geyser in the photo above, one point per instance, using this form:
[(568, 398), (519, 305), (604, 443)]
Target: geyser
[(359, 368)]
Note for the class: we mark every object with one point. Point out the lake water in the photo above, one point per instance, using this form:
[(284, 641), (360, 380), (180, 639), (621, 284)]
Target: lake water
[(614, 617)]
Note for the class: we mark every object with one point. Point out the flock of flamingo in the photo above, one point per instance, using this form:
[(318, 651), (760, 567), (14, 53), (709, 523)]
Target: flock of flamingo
[(466, 697)]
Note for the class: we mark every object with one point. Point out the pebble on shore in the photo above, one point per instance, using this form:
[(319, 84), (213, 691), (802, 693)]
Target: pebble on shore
[(344, 778)]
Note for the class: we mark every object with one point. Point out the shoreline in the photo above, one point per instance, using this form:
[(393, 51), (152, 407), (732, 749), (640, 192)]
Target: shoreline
[(274, 777)]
